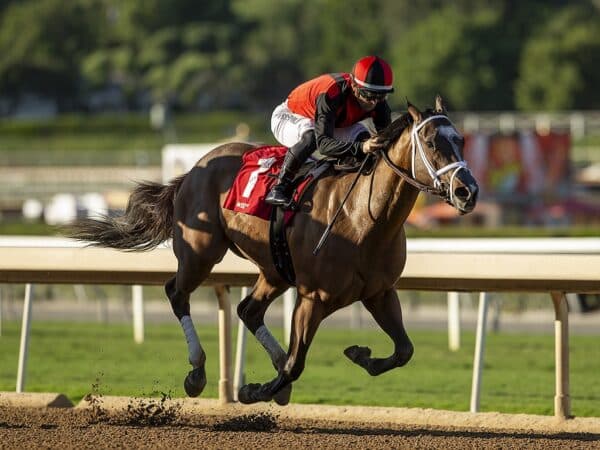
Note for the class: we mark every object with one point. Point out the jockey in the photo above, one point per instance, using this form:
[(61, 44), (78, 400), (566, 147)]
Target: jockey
[(324, 114)]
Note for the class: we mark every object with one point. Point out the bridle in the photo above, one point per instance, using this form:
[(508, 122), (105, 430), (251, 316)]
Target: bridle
[(439, 188)]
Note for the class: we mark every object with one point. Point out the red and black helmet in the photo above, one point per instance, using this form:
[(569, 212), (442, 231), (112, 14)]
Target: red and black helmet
[(373, 74)]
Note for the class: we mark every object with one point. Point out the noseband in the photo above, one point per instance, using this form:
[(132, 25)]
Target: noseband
[(438, 188)]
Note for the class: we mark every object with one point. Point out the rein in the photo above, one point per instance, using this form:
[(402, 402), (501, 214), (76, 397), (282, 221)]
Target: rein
[(406, 177), (327, 231)]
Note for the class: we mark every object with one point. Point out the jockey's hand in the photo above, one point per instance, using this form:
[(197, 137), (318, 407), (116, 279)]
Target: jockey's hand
[(372, 145)]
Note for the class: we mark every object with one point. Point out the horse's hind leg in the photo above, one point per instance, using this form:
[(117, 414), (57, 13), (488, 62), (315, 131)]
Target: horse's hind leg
[(196, 253), (308, 314), (195, 381), (251, 311), (386, 311)]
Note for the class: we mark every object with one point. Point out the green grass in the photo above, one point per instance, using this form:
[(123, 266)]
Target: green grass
[(19, 227), (77, 359), (465, 231)]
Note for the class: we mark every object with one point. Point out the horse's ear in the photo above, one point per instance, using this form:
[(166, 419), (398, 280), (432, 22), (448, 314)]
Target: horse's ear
[(440, 108), (414, 112)]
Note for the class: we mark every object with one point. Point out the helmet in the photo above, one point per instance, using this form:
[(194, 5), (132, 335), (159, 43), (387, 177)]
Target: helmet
[(373, 74)]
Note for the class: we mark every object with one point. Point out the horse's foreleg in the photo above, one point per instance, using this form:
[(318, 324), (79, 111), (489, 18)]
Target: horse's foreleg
[(251, 311), (305, 322), (386, 311)]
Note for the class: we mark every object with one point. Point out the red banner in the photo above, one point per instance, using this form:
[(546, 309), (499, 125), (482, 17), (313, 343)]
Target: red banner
[(525, 163)]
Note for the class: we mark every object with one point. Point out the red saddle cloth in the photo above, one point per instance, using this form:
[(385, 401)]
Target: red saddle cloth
[(255, 179)]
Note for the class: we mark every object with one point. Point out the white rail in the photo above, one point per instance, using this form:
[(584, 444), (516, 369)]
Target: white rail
[(554, 266)]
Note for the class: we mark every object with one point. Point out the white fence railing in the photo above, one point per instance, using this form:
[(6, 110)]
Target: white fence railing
[(577, 123), (555, 266)]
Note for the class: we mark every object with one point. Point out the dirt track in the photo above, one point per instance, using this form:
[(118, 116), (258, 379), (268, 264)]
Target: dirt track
[(152, 423)]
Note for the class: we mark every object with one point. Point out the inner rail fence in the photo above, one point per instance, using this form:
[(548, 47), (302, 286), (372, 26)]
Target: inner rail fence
[(554, 266)]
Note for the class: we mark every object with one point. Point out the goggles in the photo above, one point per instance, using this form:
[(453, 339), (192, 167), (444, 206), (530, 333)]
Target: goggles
[(371, 96)]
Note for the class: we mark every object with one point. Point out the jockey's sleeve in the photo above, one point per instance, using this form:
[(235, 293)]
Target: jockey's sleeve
[(382, 116), (325, 117)]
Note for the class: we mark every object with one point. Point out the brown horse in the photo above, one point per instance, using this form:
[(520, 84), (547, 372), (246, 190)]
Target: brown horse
[(362, 260)]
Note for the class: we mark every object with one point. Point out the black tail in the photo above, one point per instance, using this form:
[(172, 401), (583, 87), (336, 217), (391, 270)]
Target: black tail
[(146, 223)]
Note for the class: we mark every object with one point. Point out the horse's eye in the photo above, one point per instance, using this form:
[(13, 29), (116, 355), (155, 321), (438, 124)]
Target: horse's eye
[(430, 144)]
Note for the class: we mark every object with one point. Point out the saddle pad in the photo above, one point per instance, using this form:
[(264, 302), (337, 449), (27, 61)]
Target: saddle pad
[(254, 180)]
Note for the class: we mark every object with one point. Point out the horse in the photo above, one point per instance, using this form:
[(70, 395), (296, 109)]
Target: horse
[(362, 260)]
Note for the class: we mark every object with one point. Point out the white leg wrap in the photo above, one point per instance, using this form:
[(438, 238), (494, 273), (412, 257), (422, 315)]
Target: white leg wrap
[(277, 354), (196, 354)]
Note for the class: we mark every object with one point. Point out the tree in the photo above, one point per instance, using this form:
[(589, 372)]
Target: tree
[(338, 32), (455, 61), (479, 54), (468, 51), (271, 49), (560, 65), (42, 44), (177, 52)]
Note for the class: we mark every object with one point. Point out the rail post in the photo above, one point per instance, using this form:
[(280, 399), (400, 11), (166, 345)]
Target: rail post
[(24, 346), (137, 293), (240, 353), (479, 352), (453, 321), (562, 400), (225, 388)]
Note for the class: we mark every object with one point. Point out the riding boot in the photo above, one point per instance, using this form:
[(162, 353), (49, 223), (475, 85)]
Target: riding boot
[(294, 158), (281, 192)]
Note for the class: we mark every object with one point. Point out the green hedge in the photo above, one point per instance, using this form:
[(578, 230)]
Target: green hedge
[(210, 126), (118, 139)]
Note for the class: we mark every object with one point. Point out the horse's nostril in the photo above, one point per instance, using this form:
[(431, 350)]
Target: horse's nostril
[(462, 193)]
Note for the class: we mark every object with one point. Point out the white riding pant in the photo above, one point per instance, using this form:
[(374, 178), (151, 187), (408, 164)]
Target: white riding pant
[(288, 128)]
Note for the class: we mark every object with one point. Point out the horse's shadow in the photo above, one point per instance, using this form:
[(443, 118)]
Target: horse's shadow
[(450, 433)]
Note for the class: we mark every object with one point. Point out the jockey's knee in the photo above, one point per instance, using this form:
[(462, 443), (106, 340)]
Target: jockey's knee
[(305, 146), (309, 138)]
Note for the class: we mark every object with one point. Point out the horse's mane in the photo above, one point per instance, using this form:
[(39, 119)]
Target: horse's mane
[(392, 132)]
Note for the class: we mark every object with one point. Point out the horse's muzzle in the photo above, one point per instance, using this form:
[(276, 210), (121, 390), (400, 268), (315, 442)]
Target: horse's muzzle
[(465, 192)]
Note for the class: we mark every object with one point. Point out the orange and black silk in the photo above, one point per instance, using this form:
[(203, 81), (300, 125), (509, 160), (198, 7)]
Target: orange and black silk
[(330, 102)]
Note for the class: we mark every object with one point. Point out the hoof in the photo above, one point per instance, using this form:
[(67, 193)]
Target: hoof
[(194, 382), (254, 393), (358, 355), (282, 398), (247, 393)]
